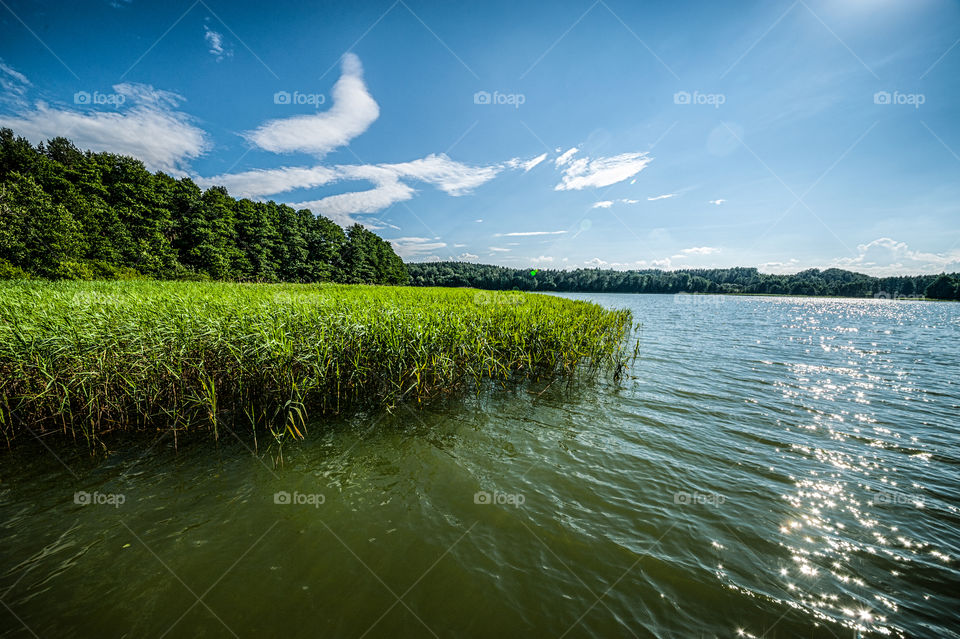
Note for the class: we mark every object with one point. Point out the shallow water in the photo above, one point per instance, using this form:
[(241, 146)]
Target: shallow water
[(773, 467)]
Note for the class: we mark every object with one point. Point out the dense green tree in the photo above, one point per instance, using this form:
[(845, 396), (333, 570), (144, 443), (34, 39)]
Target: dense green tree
[(35, 231), (67, 213), (942, 288)]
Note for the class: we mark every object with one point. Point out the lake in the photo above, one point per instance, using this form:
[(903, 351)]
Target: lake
[(770, 467)]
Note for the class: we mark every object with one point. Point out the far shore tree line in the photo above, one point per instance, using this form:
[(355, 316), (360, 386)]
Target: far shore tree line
[(71, 214), (829, 282)]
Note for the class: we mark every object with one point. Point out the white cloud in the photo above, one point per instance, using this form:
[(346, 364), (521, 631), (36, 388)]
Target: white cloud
[(352, 113), (542, 259), (565, 157), (584, 172), (526, 165), (451, 177), (215, 42), (340, 207), (529, 233), (885, 256), (780, 268), (414, 246), (606, 204), (497, 249), (146, 126), (478, 221), (700, 250), (661, 197), (463, 257), (596, 262), (261, 182), (13, 83), (717, 202)]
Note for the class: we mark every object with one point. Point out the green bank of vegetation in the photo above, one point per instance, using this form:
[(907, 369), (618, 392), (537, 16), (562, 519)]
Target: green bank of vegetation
[(830, 282), (88, 358), (69, 214)]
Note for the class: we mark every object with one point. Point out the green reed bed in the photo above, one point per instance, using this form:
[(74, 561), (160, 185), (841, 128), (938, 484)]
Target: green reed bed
[(89, 358)]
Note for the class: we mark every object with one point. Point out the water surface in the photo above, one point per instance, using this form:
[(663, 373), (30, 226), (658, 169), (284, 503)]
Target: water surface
[(772, 467)]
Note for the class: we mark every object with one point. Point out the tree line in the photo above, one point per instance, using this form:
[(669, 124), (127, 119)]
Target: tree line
[(71, 214), (832, 282)]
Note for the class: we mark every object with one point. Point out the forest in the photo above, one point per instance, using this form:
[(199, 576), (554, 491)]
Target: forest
[(830, 282), (72, 214)]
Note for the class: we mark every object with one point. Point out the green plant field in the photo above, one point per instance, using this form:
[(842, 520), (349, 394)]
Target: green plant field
[(88, 358)]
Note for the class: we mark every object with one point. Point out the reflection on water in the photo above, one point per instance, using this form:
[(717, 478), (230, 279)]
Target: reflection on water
[(772, 468)]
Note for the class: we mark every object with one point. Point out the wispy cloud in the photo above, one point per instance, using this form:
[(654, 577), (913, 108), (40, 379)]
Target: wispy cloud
[(11, 80), (583, 172), (352, 113), (388, 180), (215, 43), (606, 204), (526, 165), (886, 256), (146, 125), (529, 233), (565, 157), (498, 249), (661, 197), (415, 246), (717, 202), (700, 250)]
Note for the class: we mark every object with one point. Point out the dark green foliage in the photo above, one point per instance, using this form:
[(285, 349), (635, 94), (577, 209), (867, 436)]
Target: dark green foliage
[(834, 282), (945, 287), (70, 214)]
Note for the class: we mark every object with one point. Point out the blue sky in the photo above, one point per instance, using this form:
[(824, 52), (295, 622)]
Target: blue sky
[(783, 135)]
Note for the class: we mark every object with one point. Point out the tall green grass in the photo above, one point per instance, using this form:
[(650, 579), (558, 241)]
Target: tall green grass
[(90, 358)]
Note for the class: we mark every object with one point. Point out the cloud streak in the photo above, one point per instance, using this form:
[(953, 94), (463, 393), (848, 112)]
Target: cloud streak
[(388, 180), (584, 173), (529, 233), (352, 113)]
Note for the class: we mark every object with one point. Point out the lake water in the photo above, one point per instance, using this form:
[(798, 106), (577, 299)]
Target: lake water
[(773, 467)]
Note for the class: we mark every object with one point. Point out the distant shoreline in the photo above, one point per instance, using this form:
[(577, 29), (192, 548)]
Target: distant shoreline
[(726, 281)]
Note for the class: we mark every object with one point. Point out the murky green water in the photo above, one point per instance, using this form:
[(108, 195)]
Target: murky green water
[(775, 467)]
